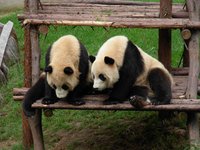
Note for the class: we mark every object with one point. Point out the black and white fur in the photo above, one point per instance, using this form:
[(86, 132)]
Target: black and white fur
[(127, 70), (37, 91), (67, 75), (67, 69)]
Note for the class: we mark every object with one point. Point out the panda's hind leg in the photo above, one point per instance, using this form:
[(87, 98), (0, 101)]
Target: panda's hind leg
[(139, 91), (160, 84)]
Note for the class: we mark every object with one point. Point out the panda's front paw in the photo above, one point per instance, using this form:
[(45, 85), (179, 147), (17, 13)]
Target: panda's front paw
[(48, 101), (155, 102), (110, 102), (76, 102)]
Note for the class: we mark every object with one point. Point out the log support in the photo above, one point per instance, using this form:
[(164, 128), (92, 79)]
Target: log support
[(193, 7), (31, 65), (193, 128), (35, 123), (164, 51)]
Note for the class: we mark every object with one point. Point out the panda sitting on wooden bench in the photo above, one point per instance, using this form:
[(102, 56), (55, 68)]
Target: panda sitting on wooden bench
[(129, 71)]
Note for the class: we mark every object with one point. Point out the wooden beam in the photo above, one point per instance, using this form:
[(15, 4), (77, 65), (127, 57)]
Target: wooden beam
[(27, 135), (30, 62), (193, 7), (186, 58), (138, 23), (35, 53), (35, 123), (98, 105), (27, 57), (193, 52), (164, 50)]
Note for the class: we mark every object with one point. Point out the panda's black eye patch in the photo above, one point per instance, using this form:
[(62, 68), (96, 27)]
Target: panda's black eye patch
[(48, 69), (68, 70), (54, 86), (65, 87), (102, 77)]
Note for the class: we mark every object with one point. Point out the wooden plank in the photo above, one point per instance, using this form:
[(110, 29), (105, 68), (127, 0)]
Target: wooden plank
[(105, 2), (98, 105), (115, 23), (4, 39), (180, 71), (178, 89)]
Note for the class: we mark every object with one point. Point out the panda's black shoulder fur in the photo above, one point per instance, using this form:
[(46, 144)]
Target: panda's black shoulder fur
[(34, 93), (47, 57), (133, 64), (83, 62), (133, 61)]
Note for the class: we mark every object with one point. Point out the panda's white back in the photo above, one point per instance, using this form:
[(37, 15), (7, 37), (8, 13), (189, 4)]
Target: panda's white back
[(65, 51), (115, 48), (149, 63)]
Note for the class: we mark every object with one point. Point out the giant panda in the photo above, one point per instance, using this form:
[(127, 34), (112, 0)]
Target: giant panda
[(67, 71), (66, 75), (127, 70)]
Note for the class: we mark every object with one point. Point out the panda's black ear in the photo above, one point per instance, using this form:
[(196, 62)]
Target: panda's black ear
[(92, 58), (68, 70), (108, 60), (48, 69)]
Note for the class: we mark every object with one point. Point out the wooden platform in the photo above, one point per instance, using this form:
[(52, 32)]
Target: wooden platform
[(176, 105), (163, 15), (94, 102), (115, 13)]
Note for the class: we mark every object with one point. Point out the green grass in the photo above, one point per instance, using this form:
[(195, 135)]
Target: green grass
[(73, 129)]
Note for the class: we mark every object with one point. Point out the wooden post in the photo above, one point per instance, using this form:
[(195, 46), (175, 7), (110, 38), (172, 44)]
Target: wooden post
[(164, 51), (35, 53), (29, 77), (186, 35), (193, 7), (186, 59)]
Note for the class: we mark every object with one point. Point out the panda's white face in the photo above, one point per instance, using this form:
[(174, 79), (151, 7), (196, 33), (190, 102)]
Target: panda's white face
[(63, 73), (100, 82), (105, 75), (62, 81)]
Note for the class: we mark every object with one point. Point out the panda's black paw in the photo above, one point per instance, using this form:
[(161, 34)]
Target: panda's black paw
[(138, 101), (111, 102), (154, 102), (48, 101), (76, 102)]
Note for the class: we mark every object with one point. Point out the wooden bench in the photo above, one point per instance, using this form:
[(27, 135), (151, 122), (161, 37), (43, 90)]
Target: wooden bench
[(164, 15)]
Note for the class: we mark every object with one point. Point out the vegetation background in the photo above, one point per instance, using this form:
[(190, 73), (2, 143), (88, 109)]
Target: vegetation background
[(92, 130)]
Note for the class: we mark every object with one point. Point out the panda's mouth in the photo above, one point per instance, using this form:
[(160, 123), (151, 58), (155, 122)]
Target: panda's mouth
[(61, 93)]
